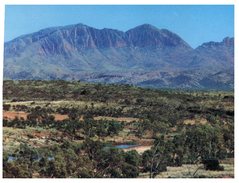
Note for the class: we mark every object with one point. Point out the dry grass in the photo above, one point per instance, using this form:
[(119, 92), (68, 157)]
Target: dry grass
[(227, 105), (202, 121), (190, 171), (119, 119), (12, 137), (61, 103)]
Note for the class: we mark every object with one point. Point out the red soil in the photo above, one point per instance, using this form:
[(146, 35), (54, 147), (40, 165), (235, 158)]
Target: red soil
[(10, 115)]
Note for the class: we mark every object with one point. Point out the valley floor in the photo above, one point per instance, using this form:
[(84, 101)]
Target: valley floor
[(94, 130)]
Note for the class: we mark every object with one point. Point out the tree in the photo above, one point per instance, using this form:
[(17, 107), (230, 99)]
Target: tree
[(212, 164), (114, 128), (132, 158), (74, 114), (6, 107), (203, 141), (129, 171), (155, 160)]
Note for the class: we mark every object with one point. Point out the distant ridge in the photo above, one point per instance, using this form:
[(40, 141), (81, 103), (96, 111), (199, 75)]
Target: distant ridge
[(144, 55)]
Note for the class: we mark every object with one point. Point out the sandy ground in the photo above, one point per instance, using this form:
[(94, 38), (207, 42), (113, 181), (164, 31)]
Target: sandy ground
[(139, 149)]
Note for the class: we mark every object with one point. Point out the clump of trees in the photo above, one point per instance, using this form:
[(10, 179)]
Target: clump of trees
[(42, 117), (92, 159), (198, 144), (161, 114)]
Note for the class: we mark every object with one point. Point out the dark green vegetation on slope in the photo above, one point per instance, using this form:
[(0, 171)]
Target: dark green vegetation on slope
[(181, 128)]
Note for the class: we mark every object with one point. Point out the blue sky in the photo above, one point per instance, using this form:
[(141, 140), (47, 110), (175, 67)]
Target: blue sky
[(196, 24)]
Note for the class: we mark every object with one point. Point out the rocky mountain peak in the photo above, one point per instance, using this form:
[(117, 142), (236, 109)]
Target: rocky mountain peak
[(228, 41), (148, 35)]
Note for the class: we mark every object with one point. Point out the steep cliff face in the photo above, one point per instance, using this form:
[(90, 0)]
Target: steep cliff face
[(77, 51)]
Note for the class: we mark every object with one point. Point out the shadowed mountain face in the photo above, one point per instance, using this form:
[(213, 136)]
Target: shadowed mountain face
[(144, 55)]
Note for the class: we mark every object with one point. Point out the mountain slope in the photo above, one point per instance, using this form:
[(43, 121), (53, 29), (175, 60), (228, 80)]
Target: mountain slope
[(79, 52)]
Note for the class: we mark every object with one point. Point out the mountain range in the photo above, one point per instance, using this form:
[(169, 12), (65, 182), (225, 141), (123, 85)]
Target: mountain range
[(144, 56)]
